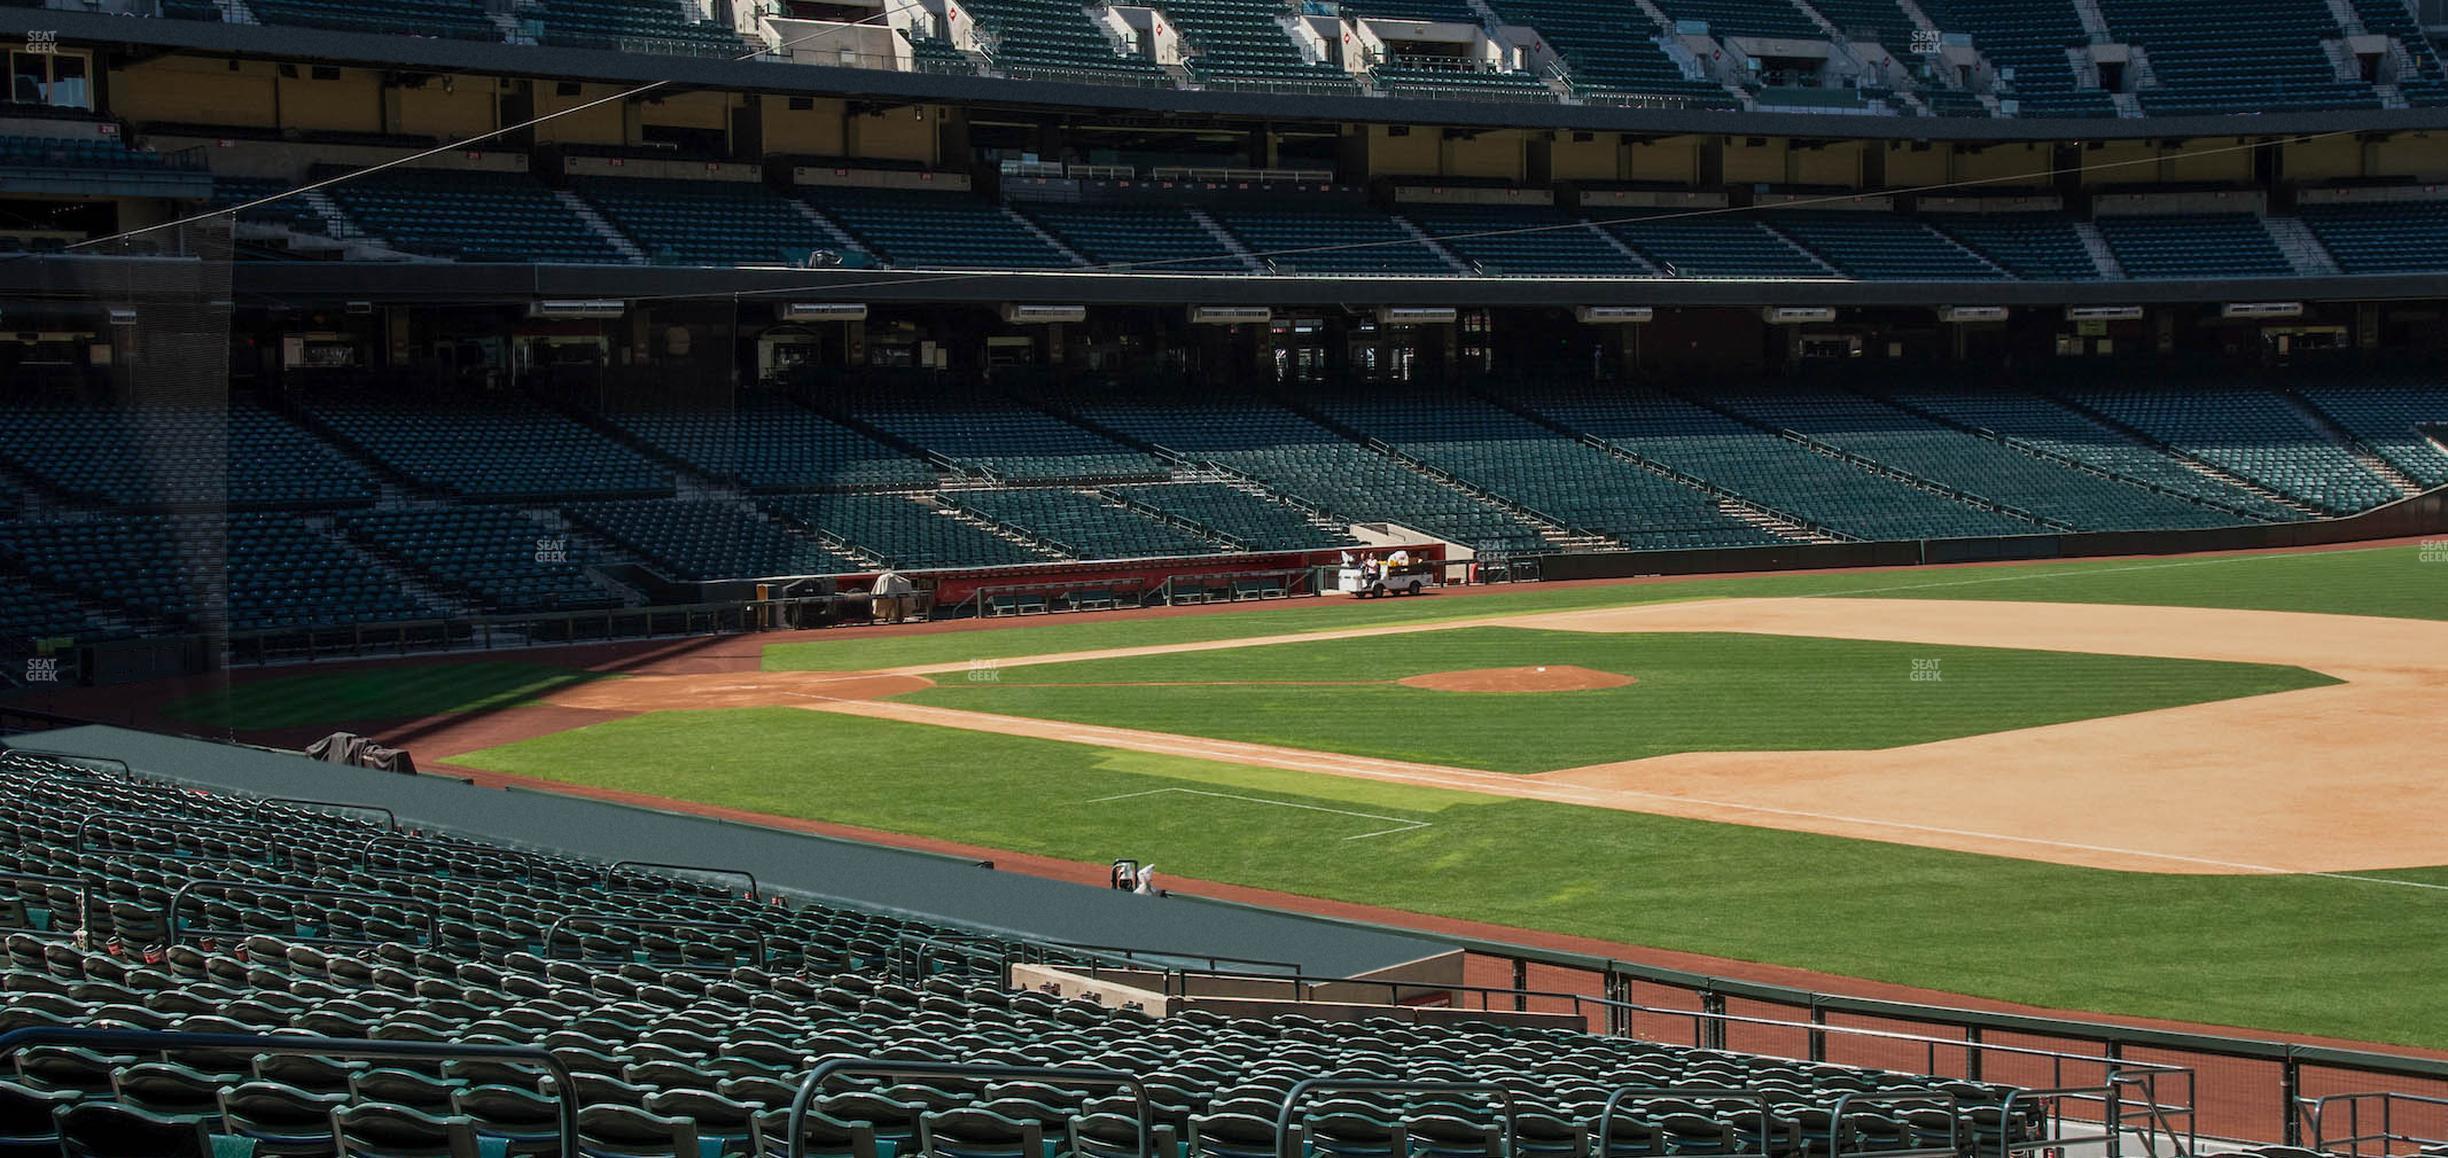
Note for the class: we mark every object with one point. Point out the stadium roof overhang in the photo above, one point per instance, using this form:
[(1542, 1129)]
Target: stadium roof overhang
[(315, 283), (484, 57)]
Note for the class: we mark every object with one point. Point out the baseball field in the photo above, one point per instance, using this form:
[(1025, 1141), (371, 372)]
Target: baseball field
[(2204, 789)]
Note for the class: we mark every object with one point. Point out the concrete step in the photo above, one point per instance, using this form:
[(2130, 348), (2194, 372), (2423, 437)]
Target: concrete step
[(2101, 256), (1450, 257), (2303, 250), (1052, 242), (842, 240), (1225, 237), (2397, 480), (620, 242)]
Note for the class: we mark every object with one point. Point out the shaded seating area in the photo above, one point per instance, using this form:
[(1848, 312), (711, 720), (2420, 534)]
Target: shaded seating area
[(244, 456), (1580, 487), (505, 560), (1295, 456), (766, 442), (905, 531), (1157, 239), (632, 26), (1330, 239), (1607, 58), (2031, 246), (1504, 241), (1238, 42), (1989, 470), (471, 216), (1083, 525), (2234, 55), (706, 222), (1712, 246), (1256, 522), (1757, 467), (934, 230), (1883, 246), (255, 572), (2194, 245), (1006, 440), (2381, 237), (457, 19), (2031, 39), (1054, 40), (485, 446), (708, 540)]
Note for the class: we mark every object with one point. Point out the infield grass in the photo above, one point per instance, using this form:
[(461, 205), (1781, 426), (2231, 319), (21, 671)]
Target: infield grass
[(1695, 692), (2327, 955)]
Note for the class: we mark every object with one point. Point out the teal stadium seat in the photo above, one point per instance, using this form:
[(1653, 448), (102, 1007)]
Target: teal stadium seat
[(472, 216), (2251, 433)]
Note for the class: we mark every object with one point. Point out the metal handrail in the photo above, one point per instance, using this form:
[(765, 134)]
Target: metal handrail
[(365, 853), (390, 819), (565, 1089), (1615, 1100), (617, 866), (85, 829), (125, 772), (85, 898), (1129, 954), (433, 912), (552, 932), (1292, 1097), (2318, 1108), (869, 1067), (1955, 1127), (2112, 1132), (922, 949), (1304, 988)]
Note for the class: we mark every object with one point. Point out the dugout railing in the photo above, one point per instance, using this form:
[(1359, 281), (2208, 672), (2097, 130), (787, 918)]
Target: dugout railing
[(2376, 1124), (2154, 1102), (2242, 1088)]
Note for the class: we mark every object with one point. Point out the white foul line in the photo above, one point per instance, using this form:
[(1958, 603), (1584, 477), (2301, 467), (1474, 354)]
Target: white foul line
[(1401, 824)]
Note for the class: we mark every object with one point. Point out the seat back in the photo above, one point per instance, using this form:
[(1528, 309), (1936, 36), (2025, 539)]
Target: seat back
[(110, 1130)]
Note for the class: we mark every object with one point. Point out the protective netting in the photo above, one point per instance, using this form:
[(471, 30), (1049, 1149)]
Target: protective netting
[(117, 424)]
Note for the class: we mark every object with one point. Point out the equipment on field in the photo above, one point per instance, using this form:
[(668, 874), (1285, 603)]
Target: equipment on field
[(1370, 578)]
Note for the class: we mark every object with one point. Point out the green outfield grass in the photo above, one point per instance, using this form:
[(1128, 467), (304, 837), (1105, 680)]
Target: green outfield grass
[(2327, 955), (2386, 581), (390, 693), (1695, 692)]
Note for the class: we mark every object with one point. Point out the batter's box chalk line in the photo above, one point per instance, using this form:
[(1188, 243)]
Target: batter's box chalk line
[(1400, 825)]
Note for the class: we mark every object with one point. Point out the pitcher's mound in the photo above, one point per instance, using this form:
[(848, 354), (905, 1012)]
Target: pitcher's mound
[(1552, 678)]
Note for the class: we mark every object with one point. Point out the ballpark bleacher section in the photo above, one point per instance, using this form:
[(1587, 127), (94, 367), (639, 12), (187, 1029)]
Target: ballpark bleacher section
[(415, 507), (688, 1016), (506, 217)]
